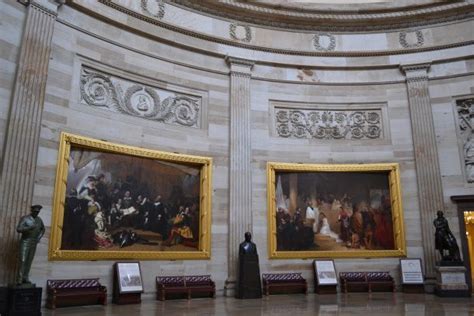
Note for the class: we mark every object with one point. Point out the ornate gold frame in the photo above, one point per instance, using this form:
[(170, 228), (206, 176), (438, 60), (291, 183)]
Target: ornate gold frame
[(395, 196), (66, 140)]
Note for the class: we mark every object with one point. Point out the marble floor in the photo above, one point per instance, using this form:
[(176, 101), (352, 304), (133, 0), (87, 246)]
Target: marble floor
[(290, 305)]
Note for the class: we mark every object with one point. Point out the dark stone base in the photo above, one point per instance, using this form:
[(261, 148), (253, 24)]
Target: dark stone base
[(24, 301), (127, 298), (449, 263), (249, 285), (452, 293), (3, 300), (413, 288), (325, 289)]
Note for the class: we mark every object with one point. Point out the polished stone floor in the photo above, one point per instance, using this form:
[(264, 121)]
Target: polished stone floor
[(290, 305)]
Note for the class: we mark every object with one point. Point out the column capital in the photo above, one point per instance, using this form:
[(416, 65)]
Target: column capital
[(415, 71), (239, 65), (49, 6)]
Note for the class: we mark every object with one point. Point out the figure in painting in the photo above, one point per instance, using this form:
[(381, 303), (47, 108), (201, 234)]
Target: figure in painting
[(326, 230), (31, 228), (445, 240)]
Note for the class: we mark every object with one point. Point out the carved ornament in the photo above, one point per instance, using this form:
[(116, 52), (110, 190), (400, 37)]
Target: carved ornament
[(154, 8), (324, 42), (329, 124), (465, 110), (236, 30), (404, 39), (118, 95)]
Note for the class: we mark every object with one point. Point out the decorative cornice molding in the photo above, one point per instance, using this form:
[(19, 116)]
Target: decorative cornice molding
[(349, 21), (261, 48)]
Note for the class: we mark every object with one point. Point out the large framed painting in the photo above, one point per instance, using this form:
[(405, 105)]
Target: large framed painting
[(334, 211), (120, 202)]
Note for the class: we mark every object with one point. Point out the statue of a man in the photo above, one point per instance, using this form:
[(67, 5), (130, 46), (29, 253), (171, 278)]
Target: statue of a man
[(31, 228), (249, 285), (445, 240), (248, 247)]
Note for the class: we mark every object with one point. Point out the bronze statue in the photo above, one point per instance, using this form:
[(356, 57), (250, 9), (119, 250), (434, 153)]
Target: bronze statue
[(31, 228), (445, 240), (249, 285), (248, 247)]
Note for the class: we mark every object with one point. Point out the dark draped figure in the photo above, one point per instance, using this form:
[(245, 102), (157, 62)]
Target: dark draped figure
[(249, 270), (445, 240)]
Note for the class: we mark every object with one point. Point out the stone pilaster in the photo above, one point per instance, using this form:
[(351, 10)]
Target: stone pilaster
[(240, 177), (21, 142), (430, 190)]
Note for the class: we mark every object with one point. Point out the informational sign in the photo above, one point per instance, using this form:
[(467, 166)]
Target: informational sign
[(325, 272), (129, 277), (411, 271)]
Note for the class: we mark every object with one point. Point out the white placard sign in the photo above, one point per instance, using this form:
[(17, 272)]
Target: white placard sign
[(325, 272), (129, 277), (411, 271)]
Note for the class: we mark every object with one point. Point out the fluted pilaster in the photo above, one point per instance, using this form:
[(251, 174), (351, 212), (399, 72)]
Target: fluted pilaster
[(240, 187), (428, 173), (21, 142)]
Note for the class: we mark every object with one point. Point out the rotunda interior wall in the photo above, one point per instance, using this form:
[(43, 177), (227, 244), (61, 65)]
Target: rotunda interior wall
[(361, 72)]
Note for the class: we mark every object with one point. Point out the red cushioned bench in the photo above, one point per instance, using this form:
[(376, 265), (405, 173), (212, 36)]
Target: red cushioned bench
[(72, 292), (284, 283), (186, 285), (366, 282)]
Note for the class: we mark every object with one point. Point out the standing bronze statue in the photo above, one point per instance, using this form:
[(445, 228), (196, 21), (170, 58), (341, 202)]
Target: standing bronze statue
[(445, 240), (249, 270), (31, 228)]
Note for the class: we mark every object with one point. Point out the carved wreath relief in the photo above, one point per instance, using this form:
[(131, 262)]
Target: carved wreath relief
[(118, 95), (465, 109), (329, 124), (324, 42), (155, 8), (411, 39)]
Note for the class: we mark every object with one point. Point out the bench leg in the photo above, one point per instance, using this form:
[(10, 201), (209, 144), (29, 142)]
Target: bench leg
[(189, 294)]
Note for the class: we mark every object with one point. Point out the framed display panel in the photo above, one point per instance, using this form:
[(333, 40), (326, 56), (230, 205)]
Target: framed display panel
[(411, 271), (334, 211), (129, 277), (115, 201), (325, 272)]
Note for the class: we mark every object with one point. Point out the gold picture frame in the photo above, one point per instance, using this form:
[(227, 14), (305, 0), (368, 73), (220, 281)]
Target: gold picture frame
[(140, 158), (333, 245)]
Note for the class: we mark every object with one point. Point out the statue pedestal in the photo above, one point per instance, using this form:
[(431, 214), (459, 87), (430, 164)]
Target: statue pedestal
[(24, 301), (3, 300), (451, 281), (249, 285)]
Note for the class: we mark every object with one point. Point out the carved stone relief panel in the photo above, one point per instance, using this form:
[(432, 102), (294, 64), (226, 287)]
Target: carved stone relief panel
[(328, 123), (102, 90), (465, 109)]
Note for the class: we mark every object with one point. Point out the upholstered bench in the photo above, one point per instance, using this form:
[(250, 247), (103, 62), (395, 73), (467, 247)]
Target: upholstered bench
[(366, 281), (186, 285), (71, 292), (284, 283)]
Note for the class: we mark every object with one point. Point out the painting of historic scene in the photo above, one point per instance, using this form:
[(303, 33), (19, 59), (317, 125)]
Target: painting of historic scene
[(333, 211), (128, 203), (115, 201)]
